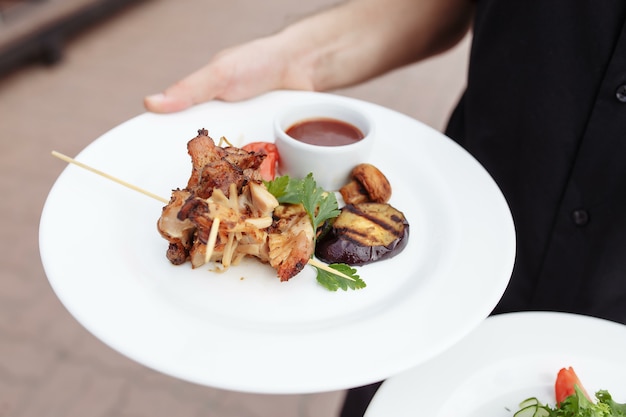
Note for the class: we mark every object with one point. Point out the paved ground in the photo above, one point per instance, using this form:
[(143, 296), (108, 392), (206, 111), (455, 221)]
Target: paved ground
[(49, 365)]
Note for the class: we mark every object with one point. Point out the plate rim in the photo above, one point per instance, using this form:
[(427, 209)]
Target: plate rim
[(279, 388)]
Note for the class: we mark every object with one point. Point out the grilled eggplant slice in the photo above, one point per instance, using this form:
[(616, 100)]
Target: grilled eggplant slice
[(364, 233)]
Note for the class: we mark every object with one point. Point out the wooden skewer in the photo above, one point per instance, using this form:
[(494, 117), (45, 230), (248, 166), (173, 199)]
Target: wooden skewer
[(110, 177), (216, 222), (321, 265)]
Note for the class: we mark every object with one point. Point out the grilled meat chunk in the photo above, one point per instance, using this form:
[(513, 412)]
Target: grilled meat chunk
[(291, 240), (225, 198)]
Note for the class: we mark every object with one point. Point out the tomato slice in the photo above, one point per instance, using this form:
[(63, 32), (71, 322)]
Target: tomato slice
[(566, 380), (268, 166)]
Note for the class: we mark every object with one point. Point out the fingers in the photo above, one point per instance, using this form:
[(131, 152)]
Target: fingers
[(161, 103), (198, 87), (233, 74)]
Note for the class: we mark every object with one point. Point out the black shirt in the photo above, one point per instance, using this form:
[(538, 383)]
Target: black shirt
[(545, 113)]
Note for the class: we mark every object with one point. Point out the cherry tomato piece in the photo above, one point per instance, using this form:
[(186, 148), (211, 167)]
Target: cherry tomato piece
[(564, 385), (268, 166)]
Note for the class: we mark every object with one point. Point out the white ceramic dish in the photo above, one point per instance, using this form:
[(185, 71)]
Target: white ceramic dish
[(331, 165), (243, 329), (507, 359)]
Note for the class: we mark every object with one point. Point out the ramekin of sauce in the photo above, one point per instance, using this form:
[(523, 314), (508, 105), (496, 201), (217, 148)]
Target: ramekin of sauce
[(327, 139)]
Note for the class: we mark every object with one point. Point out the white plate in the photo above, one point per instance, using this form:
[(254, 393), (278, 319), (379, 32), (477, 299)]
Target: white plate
[(507, 359), (243, 329)]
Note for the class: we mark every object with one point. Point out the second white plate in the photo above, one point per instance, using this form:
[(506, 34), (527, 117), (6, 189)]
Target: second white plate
[(507, 359)]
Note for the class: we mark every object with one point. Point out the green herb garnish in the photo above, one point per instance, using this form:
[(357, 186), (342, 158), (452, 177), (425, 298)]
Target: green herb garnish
[(576, 405), (333, 281), (321, 206)]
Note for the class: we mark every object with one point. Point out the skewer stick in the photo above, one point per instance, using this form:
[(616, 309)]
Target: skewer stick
[(321, 265), (110, 177), (216, 222)]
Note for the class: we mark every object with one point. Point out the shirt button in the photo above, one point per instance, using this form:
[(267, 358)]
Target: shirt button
[(580, 217), (621, 93)]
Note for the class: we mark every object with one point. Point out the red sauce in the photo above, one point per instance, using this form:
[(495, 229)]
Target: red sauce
[(325, 132)]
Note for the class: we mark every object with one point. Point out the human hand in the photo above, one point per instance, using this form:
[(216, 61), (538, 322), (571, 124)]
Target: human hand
[(342, 46), (234, 74)]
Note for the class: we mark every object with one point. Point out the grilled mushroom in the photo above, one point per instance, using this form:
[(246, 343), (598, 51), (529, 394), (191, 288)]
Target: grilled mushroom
[(368, 184)]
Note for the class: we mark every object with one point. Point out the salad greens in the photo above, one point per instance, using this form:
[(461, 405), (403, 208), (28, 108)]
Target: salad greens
[(320, 205), (576, 405)]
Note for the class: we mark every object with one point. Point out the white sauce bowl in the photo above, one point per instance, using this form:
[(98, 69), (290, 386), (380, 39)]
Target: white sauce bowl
[(331, 165)]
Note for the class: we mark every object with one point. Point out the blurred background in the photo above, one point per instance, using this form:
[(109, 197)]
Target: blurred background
[(70, 70)]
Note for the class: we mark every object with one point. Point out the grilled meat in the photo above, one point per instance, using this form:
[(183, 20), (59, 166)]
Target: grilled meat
[(291, 240), (225, 213)]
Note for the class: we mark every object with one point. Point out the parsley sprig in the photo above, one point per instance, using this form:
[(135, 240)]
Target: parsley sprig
[(320, 205), (347, 277)]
